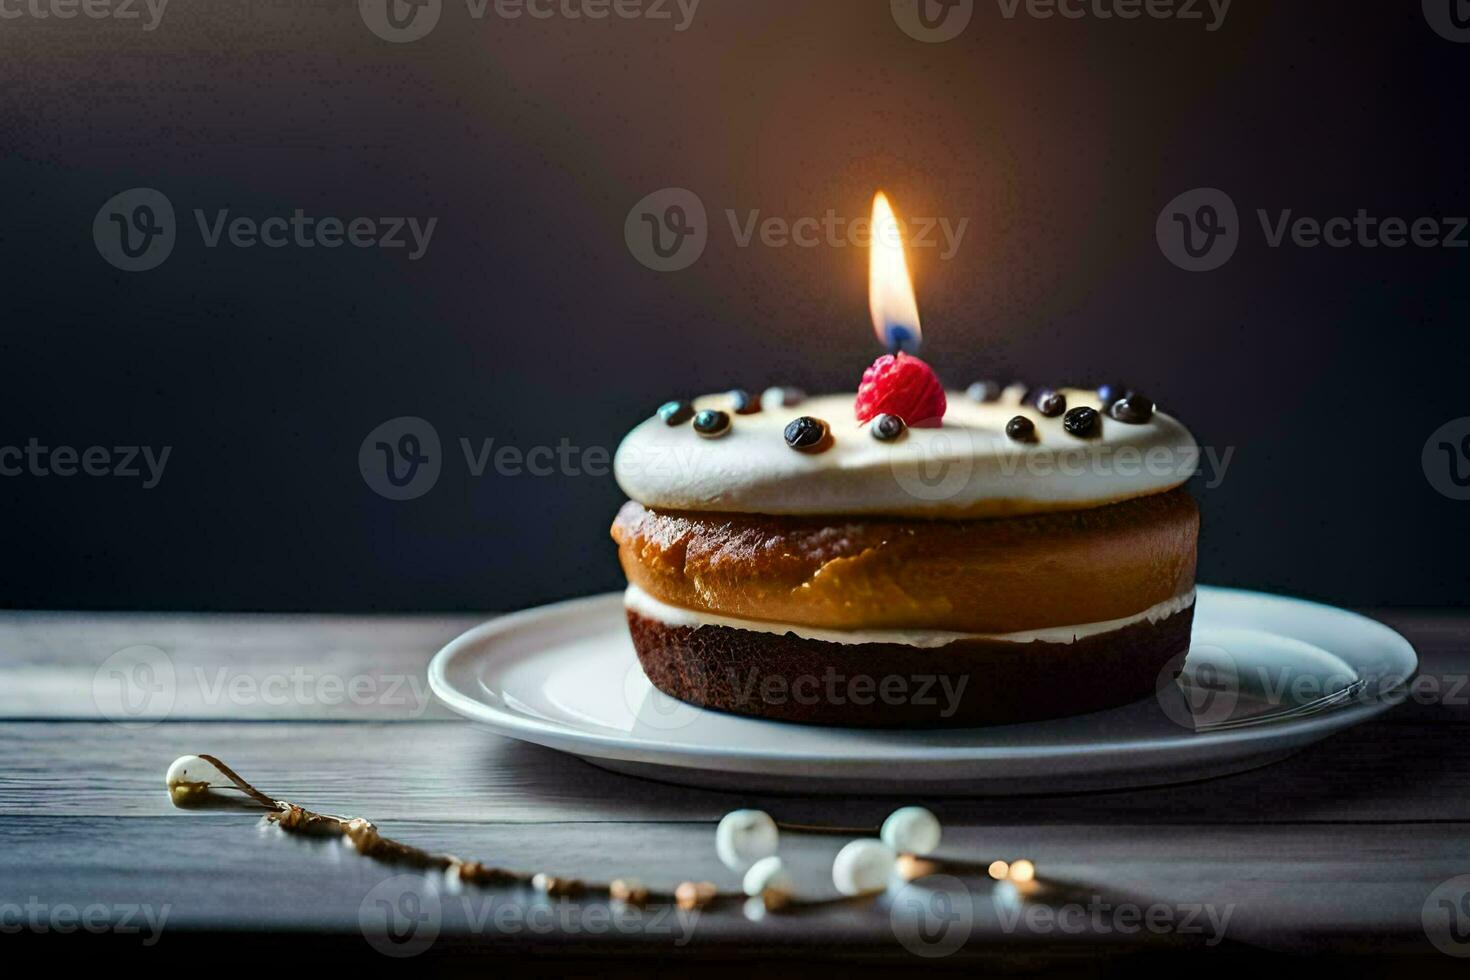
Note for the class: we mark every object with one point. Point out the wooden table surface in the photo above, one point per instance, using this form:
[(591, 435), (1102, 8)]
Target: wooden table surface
[(1338, 850)]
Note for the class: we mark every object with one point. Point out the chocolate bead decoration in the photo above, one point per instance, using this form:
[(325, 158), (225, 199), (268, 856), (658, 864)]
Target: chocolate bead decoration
[(1082, 422), (712, 423), (808, 435), (985, 391), (1133, 408), (1021, 429), (676, 412), (887, 428), (1110, 393), (1050, 403), (743, 402)]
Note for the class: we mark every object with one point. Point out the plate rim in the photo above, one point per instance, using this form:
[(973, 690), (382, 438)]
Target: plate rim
[(631, 749)]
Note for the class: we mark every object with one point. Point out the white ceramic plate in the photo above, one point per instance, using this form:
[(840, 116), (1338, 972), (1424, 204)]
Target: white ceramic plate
[(1266, 675)]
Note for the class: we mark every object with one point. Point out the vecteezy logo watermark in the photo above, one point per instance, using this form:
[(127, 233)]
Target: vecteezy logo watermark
[(933, 916), (1449, 18), (1199, 230), (135, 687), (136, 231), (1446, 459), (652, 708), (938, 469), (91, 9), (668, 230), (121, 462), (935, 21), (401, 21), (1203, 692), (401, 916), (1446, 917), (36, 916), (402, 460)]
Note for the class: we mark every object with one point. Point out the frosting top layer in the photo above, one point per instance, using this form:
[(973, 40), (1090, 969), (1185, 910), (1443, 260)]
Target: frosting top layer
[(968, 467)]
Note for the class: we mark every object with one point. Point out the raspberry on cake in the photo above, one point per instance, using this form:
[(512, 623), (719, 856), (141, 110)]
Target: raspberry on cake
[(903, 387), (813, 565)]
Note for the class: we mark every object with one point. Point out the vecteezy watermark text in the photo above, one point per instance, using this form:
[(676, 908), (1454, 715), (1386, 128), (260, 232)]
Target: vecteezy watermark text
[(933, 916), (1200, 230), (124, 10), (298, 686), (402, 459), (1100, 916), (305, 231), (122, 462), (403, 21), (942, 692), (402, 916), (36, 916), (668, 230), (136, 230), (832, 230), (140, 686), (937, 21)]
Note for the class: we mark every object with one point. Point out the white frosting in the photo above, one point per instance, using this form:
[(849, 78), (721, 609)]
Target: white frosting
[(969, 466), (648, 607)]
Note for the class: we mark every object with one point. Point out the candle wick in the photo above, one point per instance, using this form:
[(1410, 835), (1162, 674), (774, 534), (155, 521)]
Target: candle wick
[(901, 339)]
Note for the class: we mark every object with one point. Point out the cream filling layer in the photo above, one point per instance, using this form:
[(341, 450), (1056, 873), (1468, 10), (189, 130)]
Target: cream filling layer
[(648, 607)]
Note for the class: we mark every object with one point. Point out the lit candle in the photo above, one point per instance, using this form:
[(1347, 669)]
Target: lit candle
[(899, 391), (891, 299)]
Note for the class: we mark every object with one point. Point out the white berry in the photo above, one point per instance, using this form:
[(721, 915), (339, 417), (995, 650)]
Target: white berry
[(190, 777), (862, 867), (744, 837), (911, 830), (769, 874)]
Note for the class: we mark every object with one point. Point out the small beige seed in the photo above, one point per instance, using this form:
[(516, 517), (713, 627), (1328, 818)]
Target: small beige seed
[(695, 895), (910, 868), (629, 891), (552, 885)]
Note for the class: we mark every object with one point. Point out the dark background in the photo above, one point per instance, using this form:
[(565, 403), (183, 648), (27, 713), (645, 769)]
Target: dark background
[(529, 321)]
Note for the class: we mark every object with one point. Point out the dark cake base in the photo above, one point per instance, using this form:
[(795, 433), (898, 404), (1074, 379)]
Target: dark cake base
[(886, 685)]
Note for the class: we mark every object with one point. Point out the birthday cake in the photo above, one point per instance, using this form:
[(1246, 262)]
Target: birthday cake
[(909, 556)]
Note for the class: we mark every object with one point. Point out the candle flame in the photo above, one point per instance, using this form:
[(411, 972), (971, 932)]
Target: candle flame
[(890, 287)]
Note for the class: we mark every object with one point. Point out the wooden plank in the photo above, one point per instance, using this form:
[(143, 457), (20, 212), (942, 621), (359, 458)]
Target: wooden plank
[(1283, 888), (253, 667), (1441, 692), (240, 667), (460, 771)]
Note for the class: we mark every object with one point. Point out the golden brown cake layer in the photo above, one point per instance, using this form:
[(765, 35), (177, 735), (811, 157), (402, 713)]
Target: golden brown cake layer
[(1001, 575)]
